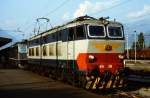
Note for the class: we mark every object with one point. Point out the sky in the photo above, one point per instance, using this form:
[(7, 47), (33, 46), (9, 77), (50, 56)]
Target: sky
[(19, 16)]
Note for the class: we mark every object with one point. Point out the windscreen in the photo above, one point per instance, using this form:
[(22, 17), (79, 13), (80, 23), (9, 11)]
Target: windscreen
[(115, 32), (96, 31)]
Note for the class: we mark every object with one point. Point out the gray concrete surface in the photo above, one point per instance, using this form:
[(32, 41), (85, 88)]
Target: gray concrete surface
[(145, 92), (138, 65), (15, 83)]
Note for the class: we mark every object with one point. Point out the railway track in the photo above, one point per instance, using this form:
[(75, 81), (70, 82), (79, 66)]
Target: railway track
[(138, 78), (138, 65)]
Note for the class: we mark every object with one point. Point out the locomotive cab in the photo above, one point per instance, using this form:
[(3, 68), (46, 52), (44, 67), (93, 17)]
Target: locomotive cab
[(104, 48)]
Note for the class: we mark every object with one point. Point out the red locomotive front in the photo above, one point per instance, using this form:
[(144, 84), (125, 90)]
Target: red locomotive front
[(103, 50)]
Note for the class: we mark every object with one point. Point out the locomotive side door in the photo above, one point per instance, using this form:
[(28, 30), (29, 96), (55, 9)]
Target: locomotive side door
[(71, 49)]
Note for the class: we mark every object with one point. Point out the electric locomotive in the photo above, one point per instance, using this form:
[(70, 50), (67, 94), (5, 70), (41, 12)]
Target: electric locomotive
[(86, 51)]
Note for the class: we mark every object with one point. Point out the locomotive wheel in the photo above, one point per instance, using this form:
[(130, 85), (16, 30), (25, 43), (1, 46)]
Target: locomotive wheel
[(34, 68), (53, 74), (42, 71), (83, 83), (113, 78), (81, 80), (61, 74), (46, 71)]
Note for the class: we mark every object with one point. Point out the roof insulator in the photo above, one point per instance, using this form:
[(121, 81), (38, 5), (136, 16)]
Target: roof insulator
[(104, 18), (86, 17)]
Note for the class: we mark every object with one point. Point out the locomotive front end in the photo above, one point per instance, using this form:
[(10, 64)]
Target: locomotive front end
[(103, 60)]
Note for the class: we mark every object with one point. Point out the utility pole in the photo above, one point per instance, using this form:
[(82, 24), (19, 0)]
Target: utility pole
[(135, 47), (127, 47)]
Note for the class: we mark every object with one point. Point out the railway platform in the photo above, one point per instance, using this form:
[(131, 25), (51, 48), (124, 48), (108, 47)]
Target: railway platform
[(16, 83), (138, 64), (138, 70)]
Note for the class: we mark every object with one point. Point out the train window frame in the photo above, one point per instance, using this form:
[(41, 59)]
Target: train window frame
[(44, 52), (59, 49), (59, 35), (122, 35), (84, 33), (37, 41), (72, 37), (37, 51), (45, 39), (53, 35), (51, 49), (96, 36), (32, 52), (64, 34)]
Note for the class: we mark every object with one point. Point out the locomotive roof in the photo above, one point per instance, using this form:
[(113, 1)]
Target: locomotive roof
[(78, 21)]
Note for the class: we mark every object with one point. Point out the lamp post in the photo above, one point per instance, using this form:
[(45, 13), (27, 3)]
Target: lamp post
[(127, 47), (135, 48)]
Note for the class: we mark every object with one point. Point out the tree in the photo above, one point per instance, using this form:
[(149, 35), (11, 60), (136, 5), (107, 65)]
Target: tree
[(149, 46), (141, 41), (133, 45)]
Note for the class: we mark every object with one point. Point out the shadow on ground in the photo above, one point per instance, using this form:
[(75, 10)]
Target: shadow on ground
[(39, 94)]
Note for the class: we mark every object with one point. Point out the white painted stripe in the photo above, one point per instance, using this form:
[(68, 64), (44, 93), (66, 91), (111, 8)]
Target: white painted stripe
[(70, 50)]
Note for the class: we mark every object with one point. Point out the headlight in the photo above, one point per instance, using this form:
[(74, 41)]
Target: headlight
[(109, 66), (91, 58), (120, 56), (101, 66)]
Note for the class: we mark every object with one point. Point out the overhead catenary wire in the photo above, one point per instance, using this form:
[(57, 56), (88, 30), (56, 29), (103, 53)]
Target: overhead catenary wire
[(111, 7), (57, 8), (64, 3), (137, 18), (28, 24), (119, 4)]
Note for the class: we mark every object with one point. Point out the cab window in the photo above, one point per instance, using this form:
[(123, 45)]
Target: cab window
[(71, 34), (115, 32), (80, 32), (96, 31)]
